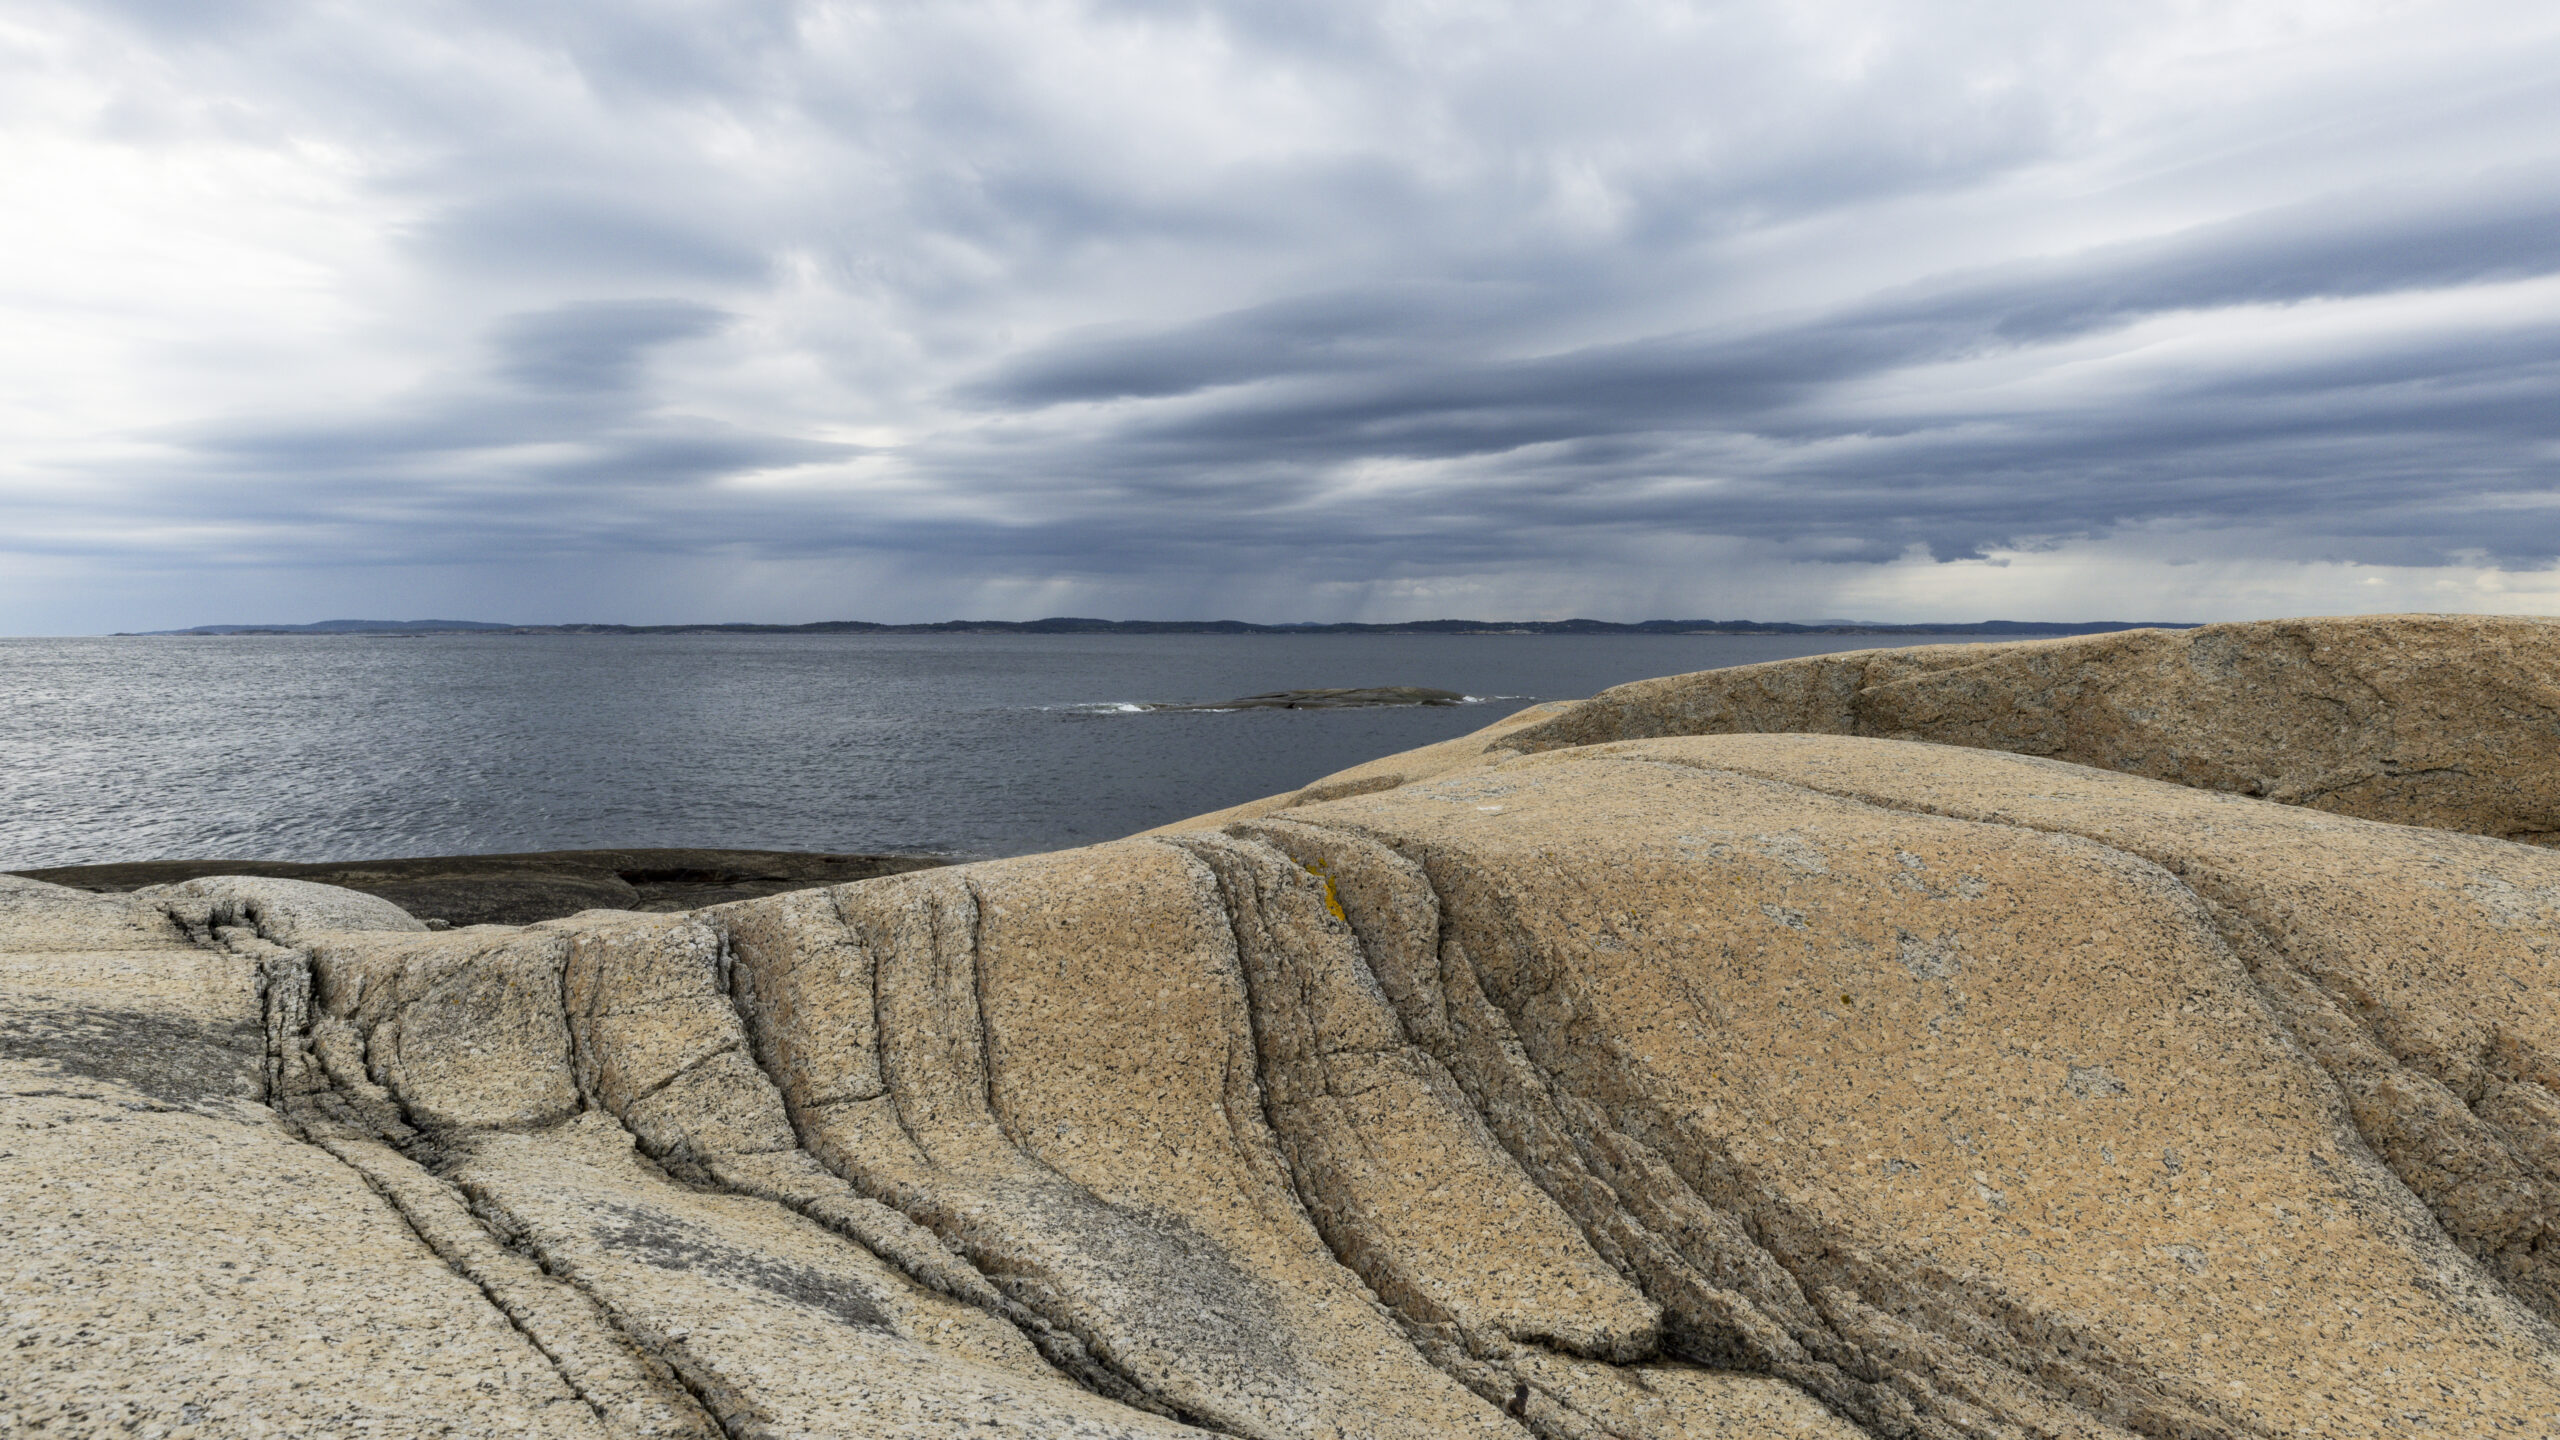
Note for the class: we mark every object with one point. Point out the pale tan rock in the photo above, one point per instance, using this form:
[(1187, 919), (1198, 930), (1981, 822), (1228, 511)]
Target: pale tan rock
[(177, 1262), (2440, 720), (1393, 1165), (2417, 966), (632, 1393), (177, 1273), (672, 1063), (2002, 1106), (1070, 1099), (36, 917), (629, 1017), (799, 939), (1666, 1400), (465, 1026), (1066, 1061)]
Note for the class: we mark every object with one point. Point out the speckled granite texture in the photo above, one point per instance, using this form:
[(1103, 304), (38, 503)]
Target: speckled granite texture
[(2445, 721), (1582, 1078)]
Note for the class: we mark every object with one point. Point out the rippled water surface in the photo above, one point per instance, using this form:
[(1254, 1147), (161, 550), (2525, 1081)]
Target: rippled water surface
[(348, 747)]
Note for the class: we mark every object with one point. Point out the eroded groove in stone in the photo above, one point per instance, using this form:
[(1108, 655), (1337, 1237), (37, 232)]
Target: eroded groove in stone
[(1730, 1301), (1399, 1171), (1067, 1093), (853, 1119), (1389, 902), (335, 1231), (1413, 1194), (777, 1324), (677, 1068), (632, 1393), (804, 985), (676, 1023), (1858, 927), (2408, 963), (337, 1108)]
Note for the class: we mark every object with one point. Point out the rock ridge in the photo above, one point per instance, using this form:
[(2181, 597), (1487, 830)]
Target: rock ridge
[(2445, 721)]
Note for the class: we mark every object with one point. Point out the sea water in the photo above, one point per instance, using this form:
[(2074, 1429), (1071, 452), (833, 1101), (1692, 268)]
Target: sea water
[(362, 747)]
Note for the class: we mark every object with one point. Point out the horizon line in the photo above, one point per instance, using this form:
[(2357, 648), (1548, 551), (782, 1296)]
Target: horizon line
[(1070, 624)]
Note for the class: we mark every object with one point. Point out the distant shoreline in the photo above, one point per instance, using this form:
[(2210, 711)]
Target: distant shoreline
[(1071, 625)]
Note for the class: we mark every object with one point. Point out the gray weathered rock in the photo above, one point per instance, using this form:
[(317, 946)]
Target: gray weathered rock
[(282, 911)]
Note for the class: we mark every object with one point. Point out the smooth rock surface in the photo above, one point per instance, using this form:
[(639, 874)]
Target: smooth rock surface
[(2447, 721)]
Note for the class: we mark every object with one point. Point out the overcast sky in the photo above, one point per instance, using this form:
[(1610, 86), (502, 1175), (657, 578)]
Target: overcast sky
[(649, 310)]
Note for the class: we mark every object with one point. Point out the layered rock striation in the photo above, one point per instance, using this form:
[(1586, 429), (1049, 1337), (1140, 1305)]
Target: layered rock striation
[(2439, 720), (1584, 1078)]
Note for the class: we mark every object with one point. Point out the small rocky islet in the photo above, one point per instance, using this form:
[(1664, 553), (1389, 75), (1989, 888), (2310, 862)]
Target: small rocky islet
[(2149, 1034), (1340, 699)]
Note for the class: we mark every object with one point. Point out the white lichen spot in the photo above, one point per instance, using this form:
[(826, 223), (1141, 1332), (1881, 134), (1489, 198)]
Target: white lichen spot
[(2511, 904), (1928, 958), (1793, 852), (2186, 1255), (2092, 1082)]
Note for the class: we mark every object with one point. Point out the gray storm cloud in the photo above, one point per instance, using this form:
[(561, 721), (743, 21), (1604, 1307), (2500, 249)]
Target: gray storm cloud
[(1188, 306)]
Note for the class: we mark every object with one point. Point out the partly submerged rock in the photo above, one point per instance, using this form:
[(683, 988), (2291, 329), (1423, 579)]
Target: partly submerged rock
[(1327, 699), (1583, 1078)]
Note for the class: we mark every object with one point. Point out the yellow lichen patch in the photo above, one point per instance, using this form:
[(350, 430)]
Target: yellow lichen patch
[(1332, 902)]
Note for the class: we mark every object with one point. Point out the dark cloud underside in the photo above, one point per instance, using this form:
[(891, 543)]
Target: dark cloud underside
[(1168, 297)]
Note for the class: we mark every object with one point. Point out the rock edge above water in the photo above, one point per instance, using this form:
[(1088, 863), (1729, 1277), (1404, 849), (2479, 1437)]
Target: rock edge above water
[(522, 889)]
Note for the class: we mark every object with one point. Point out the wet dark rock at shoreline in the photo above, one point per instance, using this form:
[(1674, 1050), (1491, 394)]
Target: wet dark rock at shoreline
[(524, 888)]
